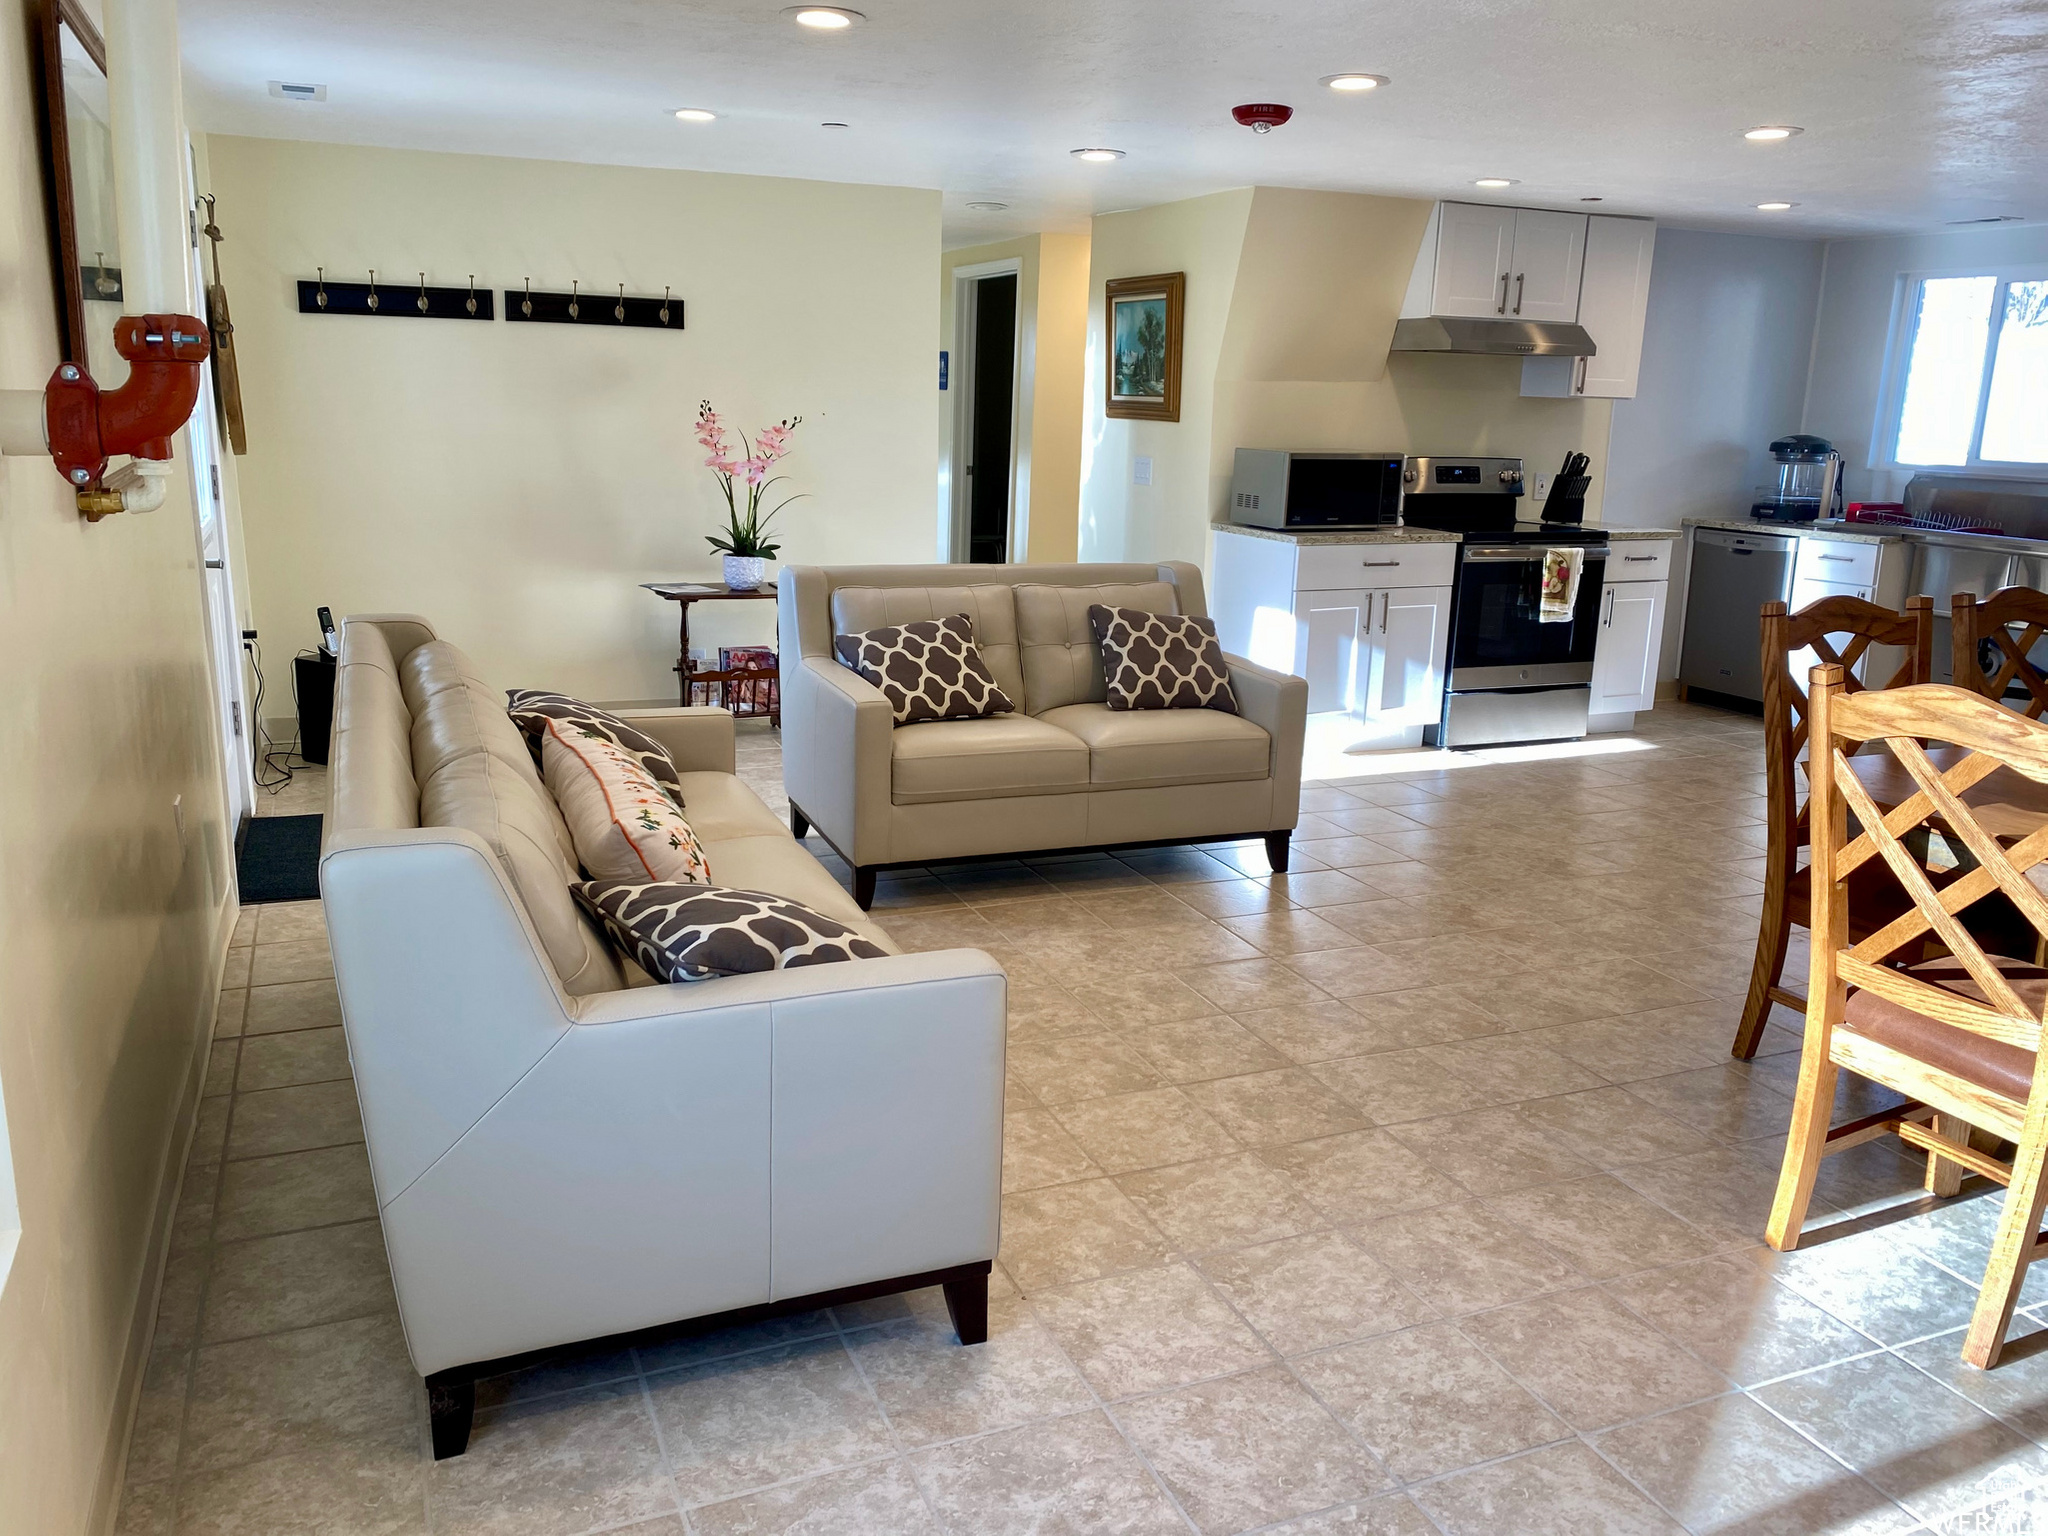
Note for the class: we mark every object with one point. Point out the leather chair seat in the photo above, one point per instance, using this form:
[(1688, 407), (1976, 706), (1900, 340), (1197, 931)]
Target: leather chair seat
[(2004, 1069), (987, 759), (1152, 748)]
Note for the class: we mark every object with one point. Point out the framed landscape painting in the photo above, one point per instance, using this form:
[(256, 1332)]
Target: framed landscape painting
[(1142, 321)]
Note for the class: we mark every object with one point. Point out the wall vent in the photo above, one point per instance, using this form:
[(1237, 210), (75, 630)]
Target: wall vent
[(286, 90)]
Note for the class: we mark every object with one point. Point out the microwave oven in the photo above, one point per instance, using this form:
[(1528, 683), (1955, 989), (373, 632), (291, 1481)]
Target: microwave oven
[(1271, 488)]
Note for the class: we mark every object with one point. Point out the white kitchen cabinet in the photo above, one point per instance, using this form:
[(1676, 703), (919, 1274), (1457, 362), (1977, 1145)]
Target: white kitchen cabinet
[(1625, 653), (1403, 657), (1331, 627), (1614, 301), (1367, 622), (1475, 253), (1495, 263), (1550, 259)]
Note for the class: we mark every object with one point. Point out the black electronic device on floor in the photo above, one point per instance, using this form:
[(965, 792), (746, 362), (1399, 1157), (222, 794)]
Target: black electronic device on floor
[(313, 688)]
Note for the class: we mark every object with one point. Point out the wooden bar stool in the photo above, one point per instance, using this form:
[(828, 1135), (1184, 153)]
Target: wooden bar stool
[(1819, 627), (1959, 1036)]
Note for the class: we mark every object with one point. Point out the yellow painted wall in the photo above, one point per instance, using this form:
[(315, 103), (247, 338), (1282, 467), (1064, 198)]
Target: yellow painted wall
[(515, 483), (112, 920), (1309, 285), (1052, 316)]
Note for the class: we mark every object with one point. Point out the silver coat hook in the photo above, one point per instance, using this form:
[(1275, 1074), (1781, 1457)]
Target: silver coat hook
[(373, 290), (421, 301), (575, 308), (664, 304), (619, 309), (320, 298), (471, 304), (526, 304)]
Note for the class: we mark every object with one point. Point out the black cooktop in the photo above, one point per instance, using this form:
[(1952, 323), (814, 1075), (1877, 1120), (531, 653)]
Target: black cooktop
[(1561, 535)]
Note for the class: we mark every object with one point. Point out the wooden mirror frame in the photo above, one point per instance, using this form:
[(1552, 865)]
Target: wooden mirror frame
[(50, 17)]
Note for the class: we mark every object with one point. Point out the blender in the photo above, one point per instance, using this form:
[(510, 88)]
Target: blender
[(1809, 481)]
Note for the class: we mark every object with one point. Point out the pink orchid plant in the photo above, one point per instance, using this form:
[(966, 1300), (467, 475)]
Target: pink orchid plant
[(746, 530)]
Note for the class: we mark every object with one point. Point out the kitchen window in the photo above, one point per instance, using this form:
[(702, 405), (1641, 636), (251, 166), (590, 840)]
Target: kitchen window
[(1972, 373)]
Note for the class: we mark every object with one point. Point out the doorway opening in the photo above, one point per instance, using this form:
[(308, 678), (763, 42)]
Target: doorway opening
[(986, 526)]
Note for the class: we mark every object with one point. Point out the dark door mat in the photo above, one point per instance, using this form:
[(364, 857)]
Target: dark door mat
[(280, 860)]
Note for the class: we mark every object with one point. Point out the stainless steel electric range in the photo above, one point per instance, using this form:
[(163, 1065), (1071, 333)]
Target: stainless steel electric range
[(1510, 677)]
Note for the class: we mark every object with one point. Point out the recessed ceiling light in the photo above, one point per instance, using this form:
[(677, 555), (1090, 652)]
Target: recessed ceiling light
[(988, 207), (695, 115), (824, 18), (1495, 181), (1774, 207), (1355, 82), (1096, 154), (1771, 133)]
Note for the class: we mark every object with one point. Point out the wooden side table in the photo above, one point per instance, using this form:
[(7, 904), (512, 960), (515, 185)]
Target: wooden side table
[(750, 702)]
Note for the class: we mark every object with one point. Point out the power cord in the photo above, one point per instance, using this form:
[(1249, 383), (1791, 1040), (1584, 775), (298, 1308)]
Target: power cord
[(272, 776)]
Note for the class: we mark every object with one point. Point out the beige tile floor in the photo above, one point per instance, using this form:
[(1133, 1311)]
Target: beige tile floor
[(1410, 1191)]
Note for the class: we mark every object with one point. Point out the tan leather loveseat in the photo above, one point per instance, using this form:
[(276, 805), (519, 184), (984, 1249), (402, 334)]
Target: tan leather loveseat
[(564, 1150), (1063, 772)]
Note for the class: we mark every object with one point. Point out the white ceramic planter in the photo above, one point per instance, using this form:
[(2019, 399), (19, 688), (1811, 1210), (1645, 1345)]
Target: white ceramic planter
[(743, 573)]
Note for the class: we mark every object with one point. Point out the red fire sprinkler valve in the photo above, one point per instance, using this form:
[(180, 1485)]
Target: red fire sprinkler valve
[(86, 427)]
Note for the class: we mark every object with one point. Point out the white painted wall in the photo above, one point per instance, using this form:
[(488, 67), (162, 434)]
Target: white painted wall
[(1725, 349), (515, 483), (1849, 354), (113, 916)]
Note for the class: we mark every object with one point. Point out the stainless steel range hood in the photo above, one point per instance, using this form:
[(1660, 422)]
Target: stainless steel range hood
[(1493, 338)]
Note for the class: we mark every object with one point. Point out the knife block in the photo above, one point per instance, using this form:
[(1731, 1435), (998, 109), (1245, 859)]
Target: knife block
[(1566, 502)]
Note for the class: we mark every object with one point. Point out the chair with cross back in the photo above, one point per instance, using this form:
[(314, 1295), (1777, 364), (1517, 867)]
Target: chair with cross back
[(1990, 658), (1959, 1036)]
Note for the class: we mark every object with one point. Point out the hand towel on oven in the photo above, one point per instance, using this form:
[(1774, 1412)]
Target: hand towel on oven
[(1561, 571)]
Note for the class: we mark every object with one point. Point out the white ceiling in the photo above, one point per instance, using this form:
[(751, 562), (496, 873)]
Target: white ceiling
[(1917, 112)]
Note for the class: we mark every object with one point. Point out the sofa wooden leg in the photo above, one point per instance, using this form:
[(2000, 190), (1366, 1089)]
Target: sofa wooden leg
[(967, 1305), (1276, 850), (864, 886), (799, 823), (451, 1404)]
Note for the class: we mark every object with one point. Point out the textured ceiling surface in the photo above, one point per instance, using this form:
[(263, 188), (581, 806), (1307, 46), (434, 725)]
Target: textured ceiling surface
[(1917, 113)]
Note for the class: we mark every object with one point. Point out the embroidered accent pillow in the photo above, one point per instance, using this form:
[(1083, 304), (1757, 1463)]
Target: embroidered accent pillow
[(624, 825), (692, 932), (531, 710), (1161, 660), (928, 669)]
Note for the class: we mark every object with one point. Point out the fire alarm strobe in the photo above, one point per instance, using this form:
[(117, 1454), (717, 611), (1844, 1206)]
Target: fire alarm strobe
[(1262, 116)]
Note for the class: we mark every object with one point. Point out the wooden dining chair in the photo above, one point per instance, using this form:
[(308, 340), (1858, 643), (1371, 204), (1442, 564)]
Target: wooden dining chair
[(1972, 624), (1960, 1036), (1837, 630)]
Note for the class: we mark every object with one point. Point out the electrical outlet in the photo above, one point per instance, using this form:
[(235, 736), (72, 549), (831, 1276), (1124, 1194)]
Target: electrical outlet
[(1539, 487), (1141, 470)]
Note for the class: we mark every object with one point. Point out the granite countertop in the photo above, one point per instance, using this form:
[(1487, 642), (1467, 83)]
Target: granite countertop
[(1623, 534), (1389, 535), (1796, 530)]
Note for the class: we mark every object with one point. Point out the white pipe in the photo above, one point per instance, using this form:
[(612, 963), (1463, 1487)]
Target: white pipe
[(141, 484), (148, 122), (21, 423)]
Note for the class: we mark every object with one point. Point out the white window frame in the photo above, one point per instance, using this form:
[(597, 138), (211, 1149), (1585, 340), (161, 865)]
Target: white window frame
[(1892, 397), (10, 1212)]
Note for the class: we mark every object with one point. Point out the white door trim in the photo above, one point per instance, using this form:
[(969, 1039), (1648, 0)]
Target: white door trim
[(962, 366)]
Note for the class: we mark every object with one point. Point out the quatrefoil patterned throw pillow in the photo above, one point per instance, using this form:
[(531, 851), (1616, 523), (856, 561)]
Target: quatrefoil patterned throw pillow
[(928, 669), (694, 932), (1161, 660)]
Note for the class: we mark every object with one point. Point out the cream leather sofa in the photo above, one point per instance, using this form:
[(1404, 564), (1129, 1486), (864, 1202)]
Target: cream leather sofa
[(1063, 772), (563, 1150)]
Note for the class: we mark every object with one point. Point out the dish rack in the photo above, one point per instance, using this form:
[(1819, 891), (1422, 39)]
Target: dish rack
[(1894, 515)]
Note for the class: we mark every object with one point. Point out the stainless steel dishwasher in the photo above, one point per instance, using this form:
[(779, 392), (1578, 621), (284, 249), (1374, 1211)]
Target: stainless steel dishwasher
[(1733, 576)]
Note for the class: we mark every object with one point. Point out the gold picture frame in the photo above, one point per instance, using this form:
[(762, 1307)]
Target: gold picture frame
[(1141, 328)]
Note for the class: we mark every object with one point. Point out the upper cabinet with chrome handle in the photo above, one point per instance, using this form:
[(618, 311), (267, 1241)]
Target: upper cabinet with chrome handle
[(1614, 302), (1499, 263)]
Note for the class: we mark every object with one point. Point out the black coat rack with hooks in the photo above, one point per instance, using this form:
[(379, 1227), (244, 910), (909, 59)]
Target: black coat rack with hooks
[(403, 300), (581, 306)]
